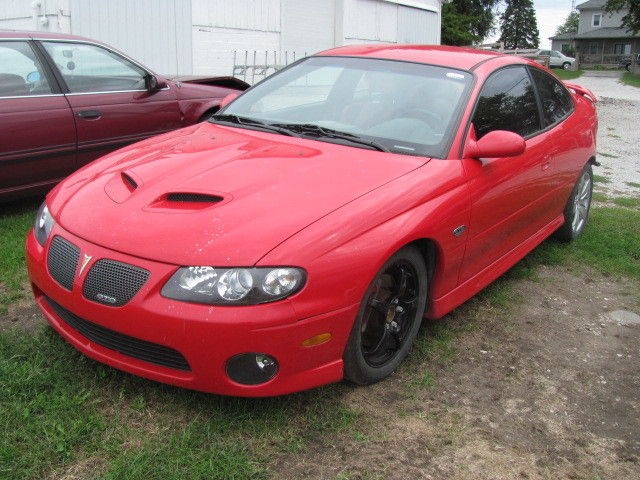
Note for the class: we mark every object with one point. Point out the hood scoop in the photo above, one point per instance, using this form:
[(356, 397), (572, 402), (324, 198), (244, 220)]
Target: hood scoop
[(186, 197), (187, 201), (121, 186)]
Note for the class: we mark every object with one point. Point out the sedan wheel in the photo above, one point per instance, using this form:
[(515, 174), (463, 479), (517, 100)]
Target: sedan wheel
[(566, 65), (388, 319), (576, 211)]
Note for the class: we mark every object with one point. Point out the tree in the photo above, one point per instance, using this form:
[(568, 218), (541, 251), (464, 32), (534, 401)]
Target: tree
[(519, 25), (632, 19), (467, 21), (570, 25)]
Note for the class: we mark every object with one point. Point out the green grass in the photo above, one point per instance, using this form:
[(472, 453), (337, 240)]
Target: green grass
[(599, 197), (60, 409), (607, 155), (567, 74), (15, 221), (601, 179), (634, 184), (629, 202), (629, 78), (61, 412)]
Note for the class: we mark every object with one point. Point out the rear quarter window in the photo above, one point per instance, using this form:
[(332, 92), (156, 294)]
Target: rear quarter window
[(555, 99)]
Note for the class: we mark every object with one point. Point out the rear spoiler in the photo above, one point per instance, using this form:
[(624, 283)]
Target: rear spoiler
[(585, 92)]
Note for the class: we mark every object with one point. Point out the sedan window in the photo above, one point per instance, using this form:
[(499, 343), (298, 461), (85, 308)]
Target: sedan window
[(90, 68), (21, 74), (555, 99), (507, 102)]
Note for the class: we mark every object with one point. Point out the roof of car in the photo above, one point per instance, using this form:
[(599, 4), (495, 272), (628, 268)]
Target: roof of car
[(41, 35), (454, 57)]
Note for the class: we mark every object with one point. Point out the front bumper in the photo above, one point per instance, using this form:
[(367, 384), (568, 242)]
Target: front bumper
[(206, 336)]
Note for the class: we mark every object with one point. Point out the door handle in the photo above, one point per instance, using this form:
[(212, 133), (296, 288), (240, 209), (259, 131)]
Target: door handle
[(89, 114)]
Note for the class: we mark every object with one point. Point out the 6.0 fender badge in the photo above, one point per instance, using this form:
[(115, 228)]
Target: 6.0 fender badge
[(85, 261)]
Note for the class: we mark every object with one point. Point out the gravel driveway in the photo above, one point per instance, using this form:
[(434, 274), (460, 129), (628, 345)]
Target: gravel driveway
[(618, 134)]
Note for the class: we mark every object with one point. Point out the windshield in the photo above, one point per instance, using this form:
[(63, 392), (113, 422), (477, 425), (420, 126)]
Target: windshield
[(383, 104)]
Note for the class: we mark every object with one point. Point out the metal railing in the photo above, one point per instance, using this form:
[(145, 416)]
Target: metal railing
[(253, 65)]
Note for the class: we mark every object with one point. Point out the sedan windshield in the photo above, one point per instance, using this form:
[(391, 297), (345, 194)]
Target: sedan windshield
[(384, 105)]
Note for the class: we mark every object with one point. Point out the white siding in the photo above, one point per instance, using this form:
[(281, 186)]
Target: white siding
[(213, 48), (48, 16), (391, 21), (220, 27), (308, 25), (154, 32)]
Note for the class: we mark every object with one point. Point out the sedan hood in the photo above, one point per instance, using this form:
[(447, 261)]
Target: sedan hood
[(216, 195)]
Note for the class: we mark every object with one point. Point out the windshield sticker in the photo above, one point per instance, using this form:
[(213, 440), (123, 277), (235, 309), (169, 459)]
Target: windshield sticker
[(455, 76), (401, 147)]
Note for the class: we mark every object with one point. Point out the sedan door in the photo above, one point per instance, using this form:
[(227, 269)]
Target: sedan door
[(37, 134), (108, 94)]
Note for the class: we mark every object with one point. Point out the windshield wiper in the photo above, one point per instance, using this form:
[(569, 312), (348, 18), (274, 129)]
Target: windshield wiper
[(318, 131), (250, 122)]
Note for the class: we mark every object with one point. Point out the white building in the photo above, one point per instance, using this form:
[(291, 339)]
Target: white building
[(200, 36)]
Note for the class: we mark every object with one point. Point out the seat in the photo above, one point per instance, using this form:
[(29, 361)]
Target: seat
[(12, 85)]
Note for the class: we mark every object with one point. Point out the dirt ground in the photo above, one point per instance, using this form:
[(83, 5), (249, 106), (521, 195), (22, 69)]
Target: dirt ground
[(548, 390)]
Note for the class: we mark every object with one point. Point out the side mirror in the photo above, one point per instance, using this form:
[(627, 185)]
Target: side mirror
[(228, 99), (499, 143), (153, 83)]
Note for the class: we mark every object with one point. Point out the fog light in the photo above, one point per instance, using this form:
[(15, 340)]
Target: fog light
[(252, 368)]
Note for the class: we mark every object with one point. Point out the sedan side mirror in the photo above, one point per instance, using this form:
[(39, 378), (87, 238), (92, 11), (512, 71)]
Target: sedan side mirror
[(153, 83), (228, 99), (499, 143)]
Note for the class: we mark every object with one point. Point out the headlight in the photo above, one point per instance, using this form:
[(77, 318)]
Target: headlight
[(233, 286), (43, 224)]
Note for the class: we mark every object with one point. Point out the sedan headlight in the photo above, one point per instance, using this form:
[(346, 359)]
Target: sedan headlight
[(233, 286), (43, 225)]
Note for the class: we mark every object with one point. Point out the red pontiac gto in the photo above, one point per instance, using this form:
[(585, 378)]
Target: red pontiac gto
[(67, 100), (300, 236)]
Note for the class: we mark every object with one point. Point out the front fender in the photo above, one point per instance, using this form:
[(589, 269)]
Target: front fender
[(344, 250)]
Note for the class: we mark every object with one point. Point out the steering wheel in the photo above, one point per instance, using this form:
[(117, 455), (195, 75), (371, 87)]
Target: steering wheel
[(427, 116)]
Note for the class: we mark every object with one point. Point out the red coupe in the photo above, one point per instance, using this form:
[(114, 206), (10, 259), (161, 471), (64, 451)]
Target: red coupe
[(301, 235), (67, 100)]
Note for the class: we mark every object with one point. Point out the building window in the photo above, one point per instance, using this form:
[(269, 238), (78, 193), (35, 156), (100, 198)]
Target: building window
[(593, 48), (597, 17), (622, 49), (565, 48)]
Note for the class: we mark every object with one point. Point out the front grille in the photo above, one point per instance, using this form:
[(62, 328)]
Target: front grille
[(113, 283), (62, 261), (130, 346)]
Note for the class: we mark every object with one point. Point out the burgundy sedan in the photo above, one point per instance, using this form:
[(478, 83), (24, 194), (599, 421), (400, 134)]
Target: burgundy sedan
[(301, 235), (67, 100)]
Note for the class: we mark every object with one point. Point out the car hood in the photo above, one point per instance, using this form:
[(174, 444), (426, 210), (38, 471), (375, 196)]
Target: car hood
[(216, 195)]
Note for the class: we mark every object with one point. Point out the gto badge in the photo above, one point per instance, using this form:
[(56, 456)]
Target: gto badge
[(85, 261)]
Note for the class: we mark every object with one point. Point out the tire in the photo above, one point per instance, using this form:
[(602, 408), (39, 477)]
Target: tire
[(388, 319), (566, 65), (576, 212)]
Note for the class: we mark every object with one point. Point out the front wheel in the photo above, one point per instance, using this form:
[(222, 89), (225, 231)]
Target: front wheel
[(566, 65), (388, 319), (576, 211)]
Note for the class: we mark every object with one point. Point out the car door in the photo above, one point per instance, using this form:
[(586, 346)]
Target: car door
[(506, 193), (111, 103), (37, 133)]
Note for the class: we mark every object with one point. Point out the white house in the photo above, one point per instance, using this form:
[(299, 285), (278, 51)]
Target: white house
[(200, 36)]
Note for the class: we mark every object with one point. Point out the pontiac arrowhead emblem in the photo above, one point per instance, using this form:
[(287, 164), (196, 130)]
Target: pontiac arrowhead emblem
[(85, 261)]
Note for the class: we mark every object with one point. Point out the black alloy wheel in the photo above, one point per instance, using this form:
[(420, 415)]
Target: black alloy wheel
[(388, 319)]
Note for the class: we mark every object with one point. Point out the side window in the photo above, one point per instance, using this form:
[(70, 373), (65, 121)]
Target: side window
[(507, 102), (21, 74), (555, 99), (91, 68)]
